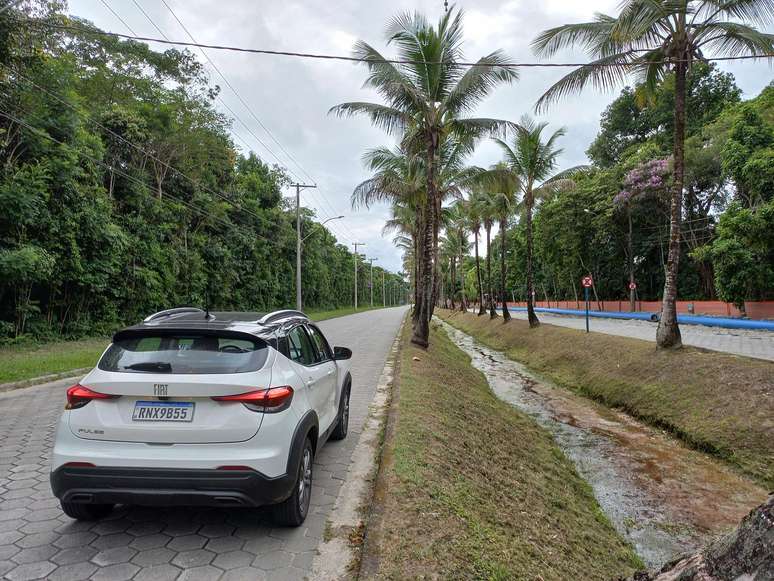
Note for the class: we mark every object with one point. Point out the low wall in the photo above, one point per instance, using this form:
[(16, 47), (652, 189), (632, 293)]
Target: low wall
[(754, 309)]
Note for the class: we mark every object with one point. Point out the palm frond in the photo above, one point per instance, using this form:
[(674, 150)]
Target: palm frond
[(604, 74), (391, 120), (760, 11), (479, 81), (587, 35), (733, 39)]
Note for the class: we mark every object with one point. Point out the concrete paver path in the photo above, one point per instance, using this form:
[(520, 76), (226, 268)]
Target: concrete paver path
[(37, 541)]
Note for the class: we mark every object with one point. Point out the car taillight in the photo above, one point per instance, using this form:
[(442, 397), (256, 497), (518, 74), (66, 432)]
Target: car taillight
[(78, 396), (269, 401)]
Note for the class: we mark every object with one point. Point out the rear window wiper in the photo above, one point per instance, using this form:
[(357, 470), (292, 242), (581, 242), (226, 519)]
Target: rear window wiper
[(160, 366)]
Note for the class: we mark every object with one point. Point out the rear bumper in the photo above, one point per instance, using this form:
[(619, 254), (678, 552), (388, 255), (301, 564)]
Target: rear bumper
[(168, 486)]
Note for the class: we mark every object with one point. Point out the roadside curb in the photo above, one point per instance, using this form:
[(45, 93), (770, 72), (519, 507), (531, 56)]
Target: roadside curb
[(74, 373), (337, 552)]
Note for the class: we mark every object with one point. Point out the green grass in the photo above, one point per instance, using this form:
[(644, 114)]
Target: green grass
[(716, 402), (19, 363), (472, 488), (330, 314), (26, 362)]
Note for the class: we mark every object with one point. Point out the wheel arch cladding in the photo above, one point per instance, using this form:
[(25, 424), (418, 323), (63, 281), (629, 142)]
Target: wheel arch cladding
[(308, 427)]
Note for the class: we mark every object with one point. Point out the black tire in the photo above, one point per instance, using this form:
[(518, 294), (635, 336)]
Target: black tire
[(342, 420), (292, 512), (81, 511)]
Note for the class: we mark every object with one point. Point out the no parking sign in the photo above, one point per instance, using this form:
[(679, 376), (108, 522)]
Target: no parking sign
[(587, 283)]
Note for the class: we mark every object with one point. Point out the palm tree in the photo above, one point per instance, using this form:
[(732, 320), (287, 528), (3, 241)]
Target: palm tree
[(474, 211), (487, 211), (457, 232), (529, 163), (504, 201), (398, 179), (653, 38), (427, 95)]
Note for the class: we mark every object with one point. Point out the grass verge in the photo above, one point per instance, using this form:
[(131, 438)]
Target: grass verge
[(26, 362), (474, 488), (330, 314), (719, 403), (19, 363)]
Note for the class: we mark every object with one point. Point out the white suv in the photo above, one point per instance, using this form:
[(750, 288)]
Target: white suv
[(198, 408)]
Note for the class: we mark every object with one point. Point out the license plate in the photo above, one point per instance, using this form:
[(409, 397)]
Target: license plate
[(163, 411)]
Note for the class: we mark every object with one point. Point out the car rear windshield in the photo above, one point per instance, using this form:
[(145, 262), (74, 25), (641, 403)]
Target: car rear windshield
[(184, 353)]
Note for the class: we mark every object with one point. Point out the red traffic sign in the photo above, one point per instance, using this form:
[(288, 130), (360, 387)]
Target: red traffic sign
[(632, 285), (587, 281)]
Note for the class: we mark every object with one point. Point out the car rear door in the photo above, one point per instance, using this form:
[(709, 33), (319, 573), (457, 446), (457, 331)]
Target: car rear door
[(303, 352), (328, 371)]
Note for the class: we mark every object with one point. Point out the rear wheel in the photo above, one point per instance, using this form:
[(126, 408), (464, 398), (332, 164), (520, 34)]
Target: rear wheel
[(342, 425), (82, 511), (292, 512)]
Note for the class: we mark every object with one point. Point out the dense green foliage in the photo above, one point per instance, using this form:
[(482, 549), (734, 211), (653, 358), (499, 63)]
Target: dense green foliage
[(122, 191)]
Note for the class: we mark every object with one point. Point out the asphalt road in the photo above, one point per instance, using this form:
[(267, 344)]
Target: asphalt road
[(37, 541), (758, 344)]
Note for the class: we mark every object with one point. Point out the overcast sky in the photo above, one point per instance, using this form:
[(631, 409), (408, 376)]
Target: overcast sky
[(291, 97)]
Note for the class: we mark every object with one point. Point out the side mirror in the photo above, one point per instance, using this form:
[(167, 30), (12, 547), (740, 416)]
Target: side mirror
[(340, 353)]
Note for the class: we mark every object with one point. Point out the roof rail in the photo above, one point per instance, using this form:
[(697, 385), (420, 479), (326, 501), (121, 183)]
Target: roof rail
[(278, 315), (170, 312)]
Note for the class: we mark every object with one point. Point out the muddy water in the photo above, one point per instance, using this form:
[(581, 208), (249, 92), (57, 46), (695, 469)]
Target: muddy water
[(664, 498)]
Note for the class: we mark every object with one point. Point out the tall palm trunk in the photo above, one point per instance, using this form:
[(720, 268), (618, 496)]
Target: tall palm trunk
[(503, 296), (668, 333), (630, 245), (481, 307), (463, 304), (452, 281), (492, 311), (533, 320), (427, 288)]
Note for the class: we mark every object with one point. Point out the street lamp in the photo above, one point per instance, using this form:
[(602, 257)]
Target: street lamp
[(299, 242), (371, 283)]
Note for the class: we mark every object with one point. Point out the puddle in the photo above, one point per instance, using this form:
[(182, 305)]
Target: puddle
[(663, 497)]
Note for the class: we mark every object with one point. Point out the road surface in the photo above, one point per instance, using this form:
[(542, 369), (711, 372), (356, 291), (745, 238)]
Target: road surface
[(758, 344), (37, 541)]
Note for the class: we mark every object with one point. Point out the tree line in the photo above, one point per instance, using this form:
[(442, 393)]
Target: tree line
[(122, 192), (677, 196)]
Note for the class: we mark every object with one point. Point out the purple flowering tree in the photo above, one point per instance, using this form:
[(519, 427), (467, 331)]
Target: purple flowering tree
[(650, 178)]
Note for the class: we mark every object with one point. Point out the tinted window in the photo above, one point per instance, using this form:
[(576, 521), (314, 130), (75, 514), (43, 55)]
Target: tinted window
[(323, 352), (189, 353), (301, 349)]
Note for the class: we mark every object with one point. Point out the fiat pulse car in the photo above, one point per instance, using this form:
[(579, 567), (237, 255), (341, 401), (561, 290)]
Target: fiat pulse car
[(198, 408)]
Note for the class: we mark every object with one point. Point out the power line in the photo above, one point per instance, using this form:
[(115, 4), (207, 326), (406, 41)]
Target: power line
[(153, 23), (320, 56), (238, 96), (147, 16), (114, 13), (201, 211), (253, 115), (133, 145)]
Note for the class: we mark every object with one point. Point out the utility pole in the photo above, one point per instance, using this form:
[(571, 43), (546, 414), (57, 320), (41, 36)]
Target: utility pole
[(355, 256), (371, 283), (298, 241), (384, 297)]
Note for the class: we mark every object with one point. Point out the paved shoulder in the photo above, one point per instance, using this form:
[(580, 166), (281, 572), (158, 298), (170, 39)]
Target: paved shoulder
[(37, 541)]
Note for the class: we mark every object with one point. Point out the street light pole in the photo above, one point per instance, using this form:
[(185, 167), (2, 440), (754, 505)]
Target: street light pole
[(298, 241), (384, 297), (355, 256), (371, 283)]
